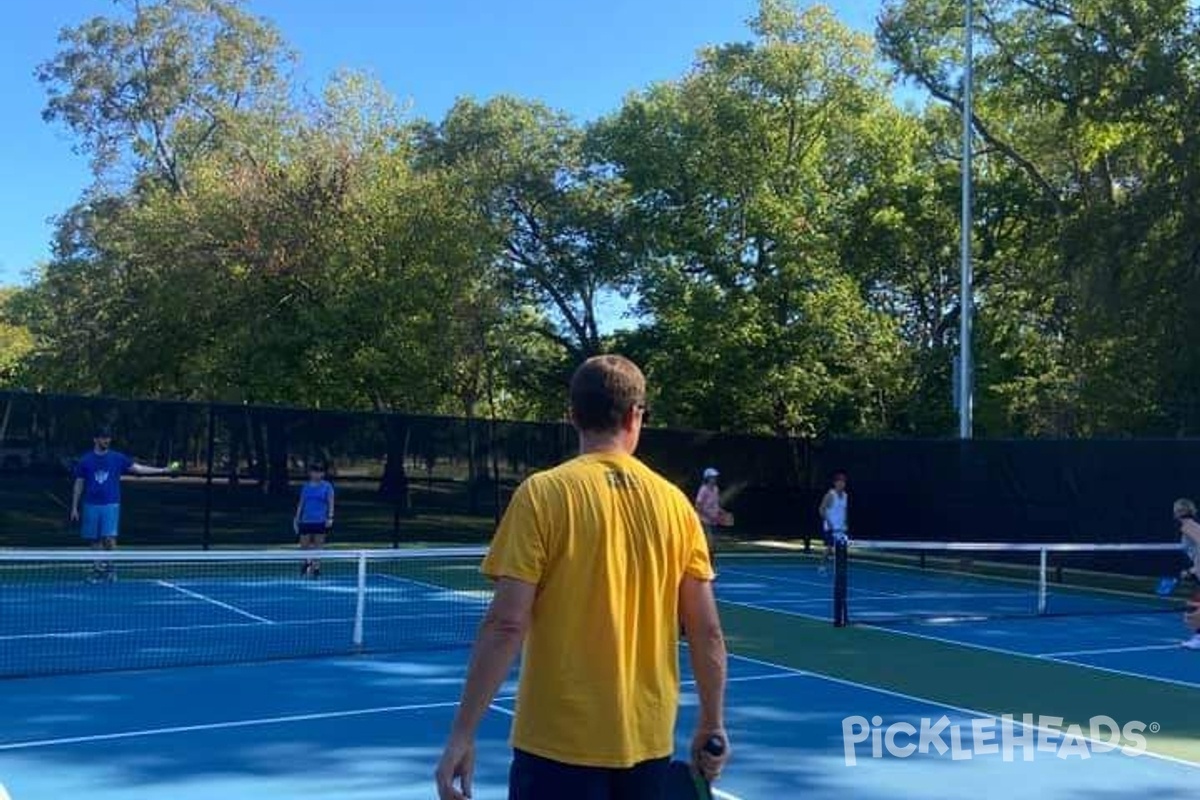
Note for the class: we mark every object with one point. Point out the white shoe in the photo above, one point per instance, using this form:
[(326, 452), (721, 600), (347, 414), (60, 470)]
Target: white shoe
[(1193, 643)]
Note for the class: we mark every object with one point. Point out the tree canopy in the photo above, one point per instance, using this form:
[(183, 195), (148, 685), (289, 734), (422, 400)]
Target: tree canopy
[(778, 225)]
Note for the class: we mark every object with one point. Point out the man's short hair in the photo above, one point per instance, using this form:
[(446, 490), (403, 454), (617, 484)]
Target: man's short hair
[(603, 390)]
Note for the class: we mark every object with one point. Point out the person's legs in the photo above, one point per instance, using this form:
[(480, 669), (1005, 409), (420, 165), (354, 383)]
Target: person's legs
[(644, 781), (827, 557), (306, 543), (110, 523), (318, 542), (1192, 620), (89, 530), (535, 778)]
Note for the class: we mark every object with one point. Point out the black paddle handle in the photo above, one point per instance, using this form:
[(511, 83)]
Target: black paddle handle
[(715, 746)]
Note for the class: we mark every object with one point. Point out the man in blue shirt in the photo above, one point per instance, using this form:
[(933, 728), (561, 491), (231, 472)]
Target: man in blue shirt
[(98, 486)]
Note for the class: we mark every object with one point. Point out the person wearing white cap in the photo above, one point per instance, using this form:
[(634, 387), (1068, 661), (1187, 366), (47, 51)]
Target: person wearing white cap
[(708, 506)]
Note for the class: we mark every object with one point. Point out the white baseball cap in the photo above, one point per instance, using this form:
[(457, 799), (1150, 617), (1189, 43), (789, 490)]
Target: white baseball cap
[(711, 473)]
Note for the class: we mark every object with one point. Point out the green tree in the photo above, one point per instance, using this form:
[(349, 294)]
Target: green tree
[(157, 87), (16, 341), (742, 174), (1085, 115), (557, 219)]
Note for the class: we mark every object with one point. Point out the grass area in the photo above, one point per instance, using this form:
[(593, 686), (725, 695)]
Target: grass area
[(171, 513), (167, 514)]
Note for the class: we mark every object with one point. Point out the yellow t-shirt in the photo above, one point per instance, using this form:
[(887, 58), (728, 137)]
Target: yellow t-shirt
[(607, 542)]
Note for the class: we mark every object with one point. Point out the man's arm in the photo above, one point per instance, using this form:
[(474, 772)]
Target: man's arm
[(706, 646), (329, 518), (76, 494), (142, 469), (496, 648)]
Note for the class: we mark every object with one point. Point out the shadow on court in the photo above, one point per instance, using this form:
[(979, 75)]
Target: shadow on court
[(369, 729)]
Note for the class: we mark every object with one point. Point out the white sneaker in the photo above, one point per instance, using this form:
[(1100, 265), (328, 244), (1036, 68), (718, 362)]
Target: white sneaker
[(1193, 643)]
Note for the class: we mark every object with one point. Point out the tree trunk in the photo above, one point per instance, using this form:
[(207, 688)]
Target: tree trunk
[(394, 483)]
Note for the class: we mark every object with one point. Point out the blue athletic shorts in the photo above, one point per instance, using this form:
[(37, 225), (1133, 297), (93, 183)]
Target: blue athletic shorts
[(535, 778), (99, 522)]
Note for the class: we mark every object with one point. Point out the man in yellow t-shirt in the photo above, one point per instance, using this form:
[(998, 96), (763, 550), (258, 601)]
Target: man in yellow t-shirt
[(595, 564)]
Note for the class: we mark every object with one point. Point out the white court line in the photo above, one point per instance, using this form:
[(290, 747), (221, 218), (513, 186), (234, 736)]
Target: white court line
[(932, 595), (774, 610), (1107, 650), (781, 672), (811, 601), (939, 704), (973, 645), (917, 596), (214, 726), (826, 585), (221, 626), (205, 598), (461, 593)]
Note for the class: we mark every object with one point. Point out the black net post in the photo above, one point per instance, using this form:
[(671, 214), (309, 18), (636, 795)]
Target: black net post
[(840, 593)]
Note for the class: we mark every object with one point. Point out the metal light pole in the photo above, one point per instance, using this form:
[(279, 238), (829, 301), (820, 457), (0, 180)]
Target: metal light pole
[(966, 293)]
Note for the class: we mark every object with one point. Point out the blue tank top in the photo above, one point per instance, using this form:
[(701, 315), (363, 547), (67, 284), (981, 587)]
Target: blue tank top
[(315, 499)]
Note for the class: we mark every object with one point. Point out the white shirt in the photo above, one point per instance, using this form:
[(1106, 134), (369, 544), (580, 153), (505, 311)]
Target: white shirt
[(835, 512)]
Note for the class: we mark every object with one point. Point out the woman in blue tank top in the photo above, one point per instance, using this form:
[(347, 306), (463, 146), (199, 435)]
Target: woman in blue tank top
[(314, 515)]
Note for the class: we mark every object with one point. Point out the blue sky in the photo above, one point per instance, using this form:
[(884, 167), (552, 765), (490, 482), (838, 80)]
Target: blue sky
[(581, 56)]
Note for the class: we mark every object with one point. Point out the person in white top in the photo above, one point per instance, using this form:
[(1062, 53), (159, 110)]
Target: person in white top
[(1189, 532), (835, 517)]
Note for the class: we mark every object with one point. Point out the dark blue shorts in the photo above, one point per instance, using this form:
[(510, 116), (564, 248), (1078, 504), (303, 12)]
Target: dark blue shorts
[(314, 529), (535, 778), (830, 537), (99, 522)]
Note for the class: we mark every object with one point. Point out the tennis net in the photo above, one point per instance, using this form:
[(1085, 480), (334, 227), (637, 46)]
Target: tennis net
[(943, 582), (63, 612)]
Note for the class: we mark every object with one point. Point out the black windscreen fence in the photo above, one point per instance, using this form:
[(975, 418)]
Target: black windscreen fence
[(403, 479)]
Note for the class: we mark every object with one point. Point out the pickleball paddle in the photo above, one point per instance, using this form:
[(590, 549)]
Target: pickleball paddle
[(684, 783)]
